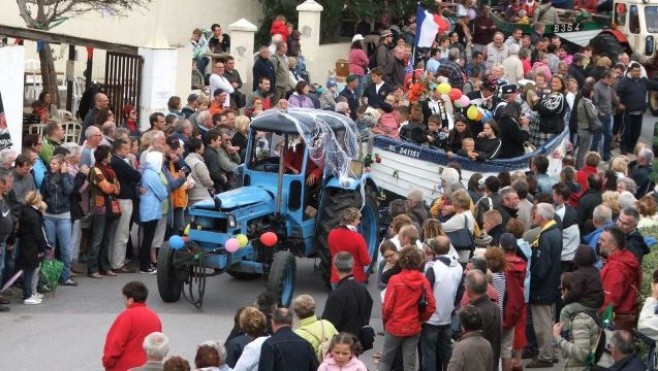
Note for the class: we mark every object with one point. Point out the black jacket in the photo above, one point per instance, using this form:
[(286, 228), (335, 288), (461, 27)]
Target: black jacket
[(506, 213), (375, 98), (588, 202), (511, 137), (414, 132), (585, 281), (633, 93), (551, 110), (487, 148), (640, 175), (287, 351), (630, 363), (349, 306), (211, 158), (635, 244), (33, 238), (56, 190), (352, 101), (76, 197), (491, 325), (128, 177), (263, 67), (545, 268), (427, 112), (495, 234)]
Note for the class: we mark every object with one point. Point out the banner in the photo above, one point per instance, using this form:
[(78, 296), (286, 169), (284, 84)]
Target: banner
[(5, 137)]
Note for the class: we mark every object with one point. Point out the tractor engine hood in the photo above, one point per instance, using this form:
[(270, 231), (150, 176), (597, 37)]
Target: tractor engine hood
[(237, 198)]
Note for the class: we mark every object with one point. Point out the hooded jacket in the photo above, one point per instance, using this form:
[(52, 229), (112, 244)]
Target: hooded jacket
[(400, 308), (621, 277), (154, 191), (585, 281), (514, 293)]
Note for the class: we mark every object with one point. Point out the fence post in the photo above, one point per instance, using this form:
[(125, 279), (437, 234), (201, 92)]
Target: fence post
[(242, 49), (309, 26)]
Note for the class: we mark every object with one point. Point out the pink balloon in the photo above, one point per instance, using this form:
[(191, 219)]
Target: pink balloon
[(232, 245), (464, 101)]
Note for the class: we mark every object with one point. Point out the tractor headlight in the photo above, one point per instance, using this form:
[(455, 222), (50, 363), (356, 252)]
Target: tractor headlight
[(649, 45), (231, 221)]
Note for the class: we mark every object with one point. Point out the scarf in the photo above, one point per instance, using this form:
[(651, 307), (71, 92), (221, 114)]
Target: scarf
[(107, 171)]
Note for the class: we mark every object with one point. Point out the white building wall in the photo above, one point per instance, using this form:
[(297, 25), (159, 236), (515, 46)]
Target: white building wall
[(176, 18)]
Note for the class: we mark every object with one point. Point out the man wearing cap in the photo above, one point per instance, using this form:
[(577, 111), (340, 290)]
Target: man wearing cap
[(384, 48), (377, 91), (349, 93), (509, 93), (513, 130), (282, 75)]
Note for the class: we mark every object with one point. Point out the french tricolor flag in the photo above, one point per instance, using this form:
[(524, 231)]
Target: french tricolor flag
[(427, 26)]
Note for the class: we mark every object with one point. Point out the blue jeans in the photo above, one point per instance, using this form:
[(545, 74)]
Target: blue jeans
[(436, 346), (603, 147), (59, 230)]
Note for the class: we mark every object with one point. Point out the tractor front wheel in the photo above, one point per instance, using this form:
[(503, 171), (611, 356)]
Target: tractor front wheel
[(281, 281), (169, 284)]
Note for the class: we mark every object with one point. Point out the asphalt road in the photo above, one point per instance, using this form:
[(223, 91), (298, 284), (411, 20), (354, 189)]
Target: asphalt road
[(67, 331)]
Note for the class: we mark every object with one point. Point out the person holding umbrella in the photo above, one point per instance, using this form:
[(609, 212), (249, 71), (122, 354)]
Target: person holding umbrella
[(33, 245)]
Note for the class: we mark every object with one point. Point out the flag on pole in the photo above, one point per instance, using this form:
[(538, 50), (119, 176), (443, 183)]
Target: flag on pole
[(427, 26)]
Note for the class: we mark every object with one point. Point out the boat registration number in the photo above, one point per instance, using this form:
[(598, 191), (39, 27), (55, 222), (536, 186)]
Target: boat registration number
[(566, 27)]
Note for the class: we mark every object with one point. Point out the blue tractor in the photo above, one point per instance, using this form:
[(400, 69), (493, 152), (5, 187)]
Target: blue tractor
[(279, 199)]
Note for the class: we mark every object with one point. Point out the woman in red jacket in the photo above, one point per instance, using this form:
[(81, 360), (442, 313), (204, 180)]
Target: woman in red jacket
[(347, 238), (514, 307), (403, 311)]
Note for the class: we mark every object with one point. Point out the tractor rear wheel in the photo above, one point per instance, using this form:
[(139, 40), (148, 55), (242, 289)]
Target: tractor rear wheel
[(169, 284), (281, 281), (335, 201), (607, 44)]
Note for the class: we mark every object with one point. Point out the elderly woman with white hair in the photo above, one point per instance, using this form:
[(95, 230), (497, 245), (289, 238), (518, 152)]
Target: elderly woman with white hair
[(156, 347), (626, 184), (512, 65), (79, 198), (416, 207), (450, 181), (7, 158)]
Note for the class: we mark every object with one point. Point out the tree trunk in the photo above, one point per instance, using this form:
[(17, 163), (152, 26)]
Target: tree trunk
[(48, 73)]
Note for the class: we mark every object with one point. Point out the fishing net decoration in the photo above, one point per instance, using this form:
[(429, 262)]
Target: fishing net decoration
[(333, 150)]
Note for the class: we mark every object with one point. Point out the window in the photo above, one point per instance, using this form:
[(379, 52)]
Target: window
[(651, 18), (634, 20)]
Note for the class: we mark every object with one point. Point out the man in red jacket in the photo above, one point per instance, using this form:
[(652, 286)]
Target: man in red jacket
[(621, 277), (347, 238), (123, 345)]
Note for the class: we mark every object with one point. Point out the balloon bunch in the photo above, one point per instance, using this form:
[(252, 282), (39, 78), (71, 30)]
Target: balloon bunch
[(235, 243), (475, 113)]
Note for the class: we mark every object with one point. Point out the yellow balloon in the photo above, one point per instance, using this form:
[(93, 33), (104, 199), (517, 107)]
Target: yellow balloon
[(444, 88), (242, 239), (472, 112), (186, 231)]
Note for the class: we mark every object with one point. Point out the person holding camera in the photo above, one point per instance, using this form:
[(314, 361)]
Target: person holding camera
[(56, 190)]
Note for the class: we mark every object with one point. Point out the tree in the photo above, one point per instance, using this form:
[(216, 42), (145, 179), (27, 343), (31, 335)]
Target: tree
[(47, 14)]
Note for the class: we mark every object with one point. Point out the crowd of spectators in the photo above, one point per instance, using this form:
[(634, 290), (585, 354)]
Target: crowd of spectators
[(559, 255)]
